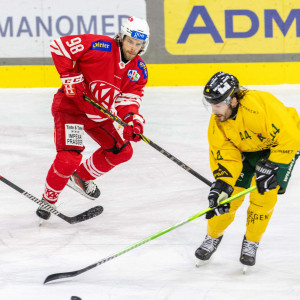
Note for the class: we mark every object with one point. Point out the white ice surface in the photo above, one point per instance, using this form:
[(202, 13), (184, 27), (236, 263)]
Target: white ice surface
[(140, 198)]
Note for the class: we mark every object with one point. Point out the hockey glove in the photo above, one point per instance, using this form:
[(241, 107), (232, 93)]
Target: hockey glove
[(219, 191), (265, 176), (135, 127), (73, 84)]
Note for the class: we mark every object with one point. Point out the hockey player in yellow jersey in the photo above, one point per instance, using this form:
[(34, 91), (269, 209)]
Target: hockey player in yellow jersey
[(254, 138)]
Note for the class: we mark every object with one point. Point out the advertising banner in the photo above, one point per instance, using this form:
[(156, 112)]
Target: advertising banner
[(189, 39), (232, 27), (28, 27)]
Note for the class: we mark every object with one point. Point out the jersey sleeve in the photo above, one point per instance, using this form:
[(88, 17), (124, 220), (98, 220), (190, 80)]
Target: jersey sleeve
[(283, 129), (225, 159), (129, 101), (68, 49)]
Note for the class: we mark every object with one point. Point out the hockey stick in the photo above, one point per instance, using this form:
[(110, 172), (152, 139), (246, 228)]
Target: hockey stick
[(148, 141), (91, 213), (142, 242)]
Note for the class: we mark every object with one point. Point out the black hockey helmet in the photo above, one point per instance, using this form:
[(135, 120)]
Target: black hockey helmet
[(221, 87)]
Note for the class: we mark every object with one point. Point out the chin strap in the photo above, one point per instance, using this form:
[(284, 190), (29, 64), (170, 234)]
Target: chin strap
[(124, 60), (234, 111)]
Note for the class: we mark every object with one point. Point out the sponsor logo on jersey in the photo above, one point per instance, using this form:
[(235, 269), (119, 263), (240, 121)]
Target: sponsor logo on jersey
[(133, 75), (104, 92), (74, 134), (143, 67), (221, 172), (138, 35), (101, 46)]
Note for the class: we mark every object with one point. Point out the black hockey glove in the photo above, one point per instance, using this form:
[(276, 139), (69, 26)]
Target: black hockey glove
[(219, 191), (265, 176)]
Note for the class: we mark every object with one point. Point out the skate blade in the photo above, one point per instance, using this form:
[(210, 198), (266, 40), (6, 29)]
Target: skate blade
[(245, 269), (200, 263), (41, 222), (78, 190)]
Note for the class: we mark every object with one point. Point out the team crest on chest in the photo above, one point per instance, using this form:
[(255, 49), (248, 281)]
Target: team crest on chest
[(104, 92), (133, 75)]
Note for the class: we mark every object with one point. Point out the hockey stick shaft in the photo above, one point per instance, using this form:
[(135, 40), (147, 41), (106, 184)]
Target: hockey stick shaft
[(144, 241), (148, 141), (91, 213)]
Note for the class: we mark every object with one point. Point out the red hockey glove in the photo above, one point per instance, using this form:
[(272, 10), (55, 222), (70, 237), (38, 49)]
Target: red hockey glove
[(73, 84), (135, 122)]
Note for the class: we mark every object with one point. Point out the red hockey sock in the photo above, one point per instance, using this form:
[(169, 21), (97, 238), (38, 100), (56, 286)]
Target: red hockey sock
[(95, 166), (64, 165)]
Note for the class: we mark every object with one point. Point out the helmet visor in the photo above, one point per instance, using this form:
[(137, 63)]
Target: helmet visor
[(208, 104)]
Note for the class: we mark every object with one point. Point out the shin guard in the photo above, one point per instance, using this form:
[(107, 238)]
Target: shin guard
[(64, 165), (217, 225), (259, 214)]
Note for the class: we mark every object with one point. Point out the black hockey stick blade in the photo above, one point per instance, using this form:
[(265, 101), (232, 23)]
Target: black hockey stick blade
[(86, 215), (57, 276)]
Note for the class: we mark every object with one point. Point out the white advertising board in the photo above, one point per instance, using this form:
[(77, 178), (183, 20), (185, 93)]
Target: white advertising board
[(28, 27)]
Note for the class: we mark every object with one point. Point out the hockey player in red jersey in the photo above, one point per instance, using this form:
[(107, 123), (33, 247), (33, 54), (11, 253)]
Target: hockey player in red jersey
[(111, 72)]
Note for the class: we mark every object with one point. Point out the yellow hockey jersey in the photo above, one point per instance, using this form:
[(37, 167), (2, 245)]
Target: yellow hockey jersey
[(262, 122)]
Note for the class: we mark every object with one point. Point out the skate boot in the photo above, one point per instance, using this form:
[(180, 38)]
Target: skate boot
[(86, 188), (42, 213), (207, 248), (248, 252)]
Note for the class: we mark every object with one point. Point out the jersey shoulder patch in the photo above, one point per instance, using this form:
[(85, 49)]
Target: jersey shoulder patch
[(142, 66)]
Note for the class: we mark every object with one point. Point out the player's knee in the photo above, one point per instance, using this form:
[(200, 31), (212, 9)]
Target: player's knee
[(66, 162), (234, 205), (264, 202), (124, 155)]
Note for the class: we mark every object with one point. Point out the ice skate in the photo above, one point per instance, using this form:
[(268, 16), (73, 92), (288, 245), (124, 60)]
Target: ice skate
[(86, 188), (42, 213), (248, 254), (206, 250)]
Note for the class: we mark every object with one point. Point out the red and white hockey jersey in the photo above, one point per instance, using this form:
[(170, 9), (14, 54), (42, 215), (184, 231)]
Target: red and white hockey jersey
[(111, 82)]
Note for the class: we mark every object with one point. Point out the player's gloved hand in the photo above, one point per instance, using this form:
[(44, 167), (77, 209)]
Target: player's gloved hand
[(265, 176), (219, 191), (74, 84), (135, 127)]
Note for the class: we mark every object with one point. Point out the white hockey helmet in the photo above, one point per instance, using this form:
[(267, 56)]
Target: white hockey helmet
[(137, 29)]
